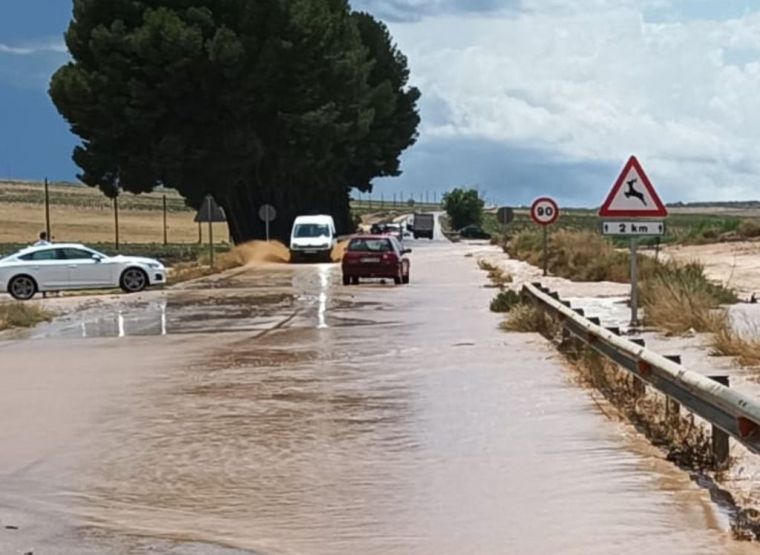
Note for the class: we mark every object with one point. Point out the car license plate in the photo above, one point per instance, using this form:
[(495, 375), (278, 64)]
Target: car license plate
[(311, 252), (370, 260)]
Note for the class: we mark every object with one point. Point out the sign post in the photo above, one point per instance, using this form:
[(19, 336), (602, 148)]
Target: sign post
[(634, 281), (210, 212), (633, 197), (544, 211), (505, 215), (267, 214)]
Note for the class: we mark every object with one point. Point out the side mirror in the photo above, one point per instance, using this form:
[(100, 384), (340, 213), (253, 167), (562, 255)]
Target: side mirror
[(97, 258), (406, 251)]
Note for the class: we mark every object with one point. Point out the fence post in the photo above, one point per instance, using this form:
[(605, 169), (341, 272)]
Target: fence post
[(47, 211), (166, 237), (116, 221), (200, 234), (720, 447), (210, 232)]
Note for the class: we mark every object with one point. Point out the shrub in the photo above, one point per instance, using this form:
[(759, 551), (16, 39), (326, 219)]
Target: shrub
[(749, 229), (505, 301), (22, 315), (497, 275), (681, 298), (744, 347), (528, 318)]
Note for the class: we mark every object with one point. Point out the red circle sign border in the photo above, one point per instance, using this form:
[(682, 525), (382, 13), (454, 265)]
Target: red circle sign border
[(535, 205)]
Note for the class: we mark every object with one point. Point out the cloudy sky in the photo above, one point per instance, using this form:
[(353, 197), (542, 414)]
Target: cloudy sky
[(520, 97)]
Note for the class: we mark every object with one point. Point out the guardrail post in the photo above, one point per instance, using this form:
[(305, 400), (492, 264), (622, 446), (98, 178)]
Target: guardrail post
[(720, 447), (672, 407), (639, 386)]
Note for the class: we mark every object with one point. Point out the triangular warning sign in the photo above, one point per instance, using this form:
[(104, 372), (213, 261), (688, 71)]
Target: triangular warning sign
[(210, 211), (633, 195)]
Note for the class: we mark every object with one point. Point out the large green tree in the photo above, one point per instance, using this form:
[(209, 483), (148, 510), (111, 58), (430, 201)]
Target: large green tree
[(288, 102), (464, 207)]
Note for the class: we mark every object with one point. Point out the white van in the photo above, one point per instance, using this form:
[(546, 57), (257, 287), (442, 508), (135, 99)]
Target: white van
[(312, 237)]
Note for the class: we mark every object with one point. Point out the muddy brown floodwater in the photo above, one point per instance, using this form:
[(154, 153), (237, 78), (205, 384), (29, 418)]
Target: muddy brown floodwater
[(281, 413)]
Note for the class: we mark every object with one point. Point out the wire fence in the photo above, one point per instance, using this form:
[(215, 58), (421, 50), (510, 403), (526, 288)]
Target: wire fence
[(82, 214), (72, 212)]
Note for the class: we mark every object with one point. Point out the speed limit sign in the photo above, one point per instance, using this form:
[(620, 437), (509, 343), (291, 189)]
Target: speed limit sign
[(544, 211)]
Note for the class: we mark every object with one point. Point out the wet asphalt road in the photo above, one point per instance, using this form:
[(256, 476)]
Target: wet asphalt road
[(276, 411)]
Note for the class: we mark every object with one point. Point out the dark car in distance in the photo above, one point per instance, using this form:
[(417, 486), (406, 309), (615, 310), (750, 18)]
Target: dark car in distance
[(375, 256), (473, 232)]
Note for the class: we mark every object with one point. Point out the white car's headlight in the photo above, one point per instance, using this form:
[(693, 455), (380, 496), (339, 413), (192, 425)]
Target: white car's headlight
[(155, 265)]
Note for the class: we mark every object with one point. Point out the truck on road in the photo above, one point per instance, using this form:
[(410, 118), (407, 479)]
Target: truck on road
[(424, 225)]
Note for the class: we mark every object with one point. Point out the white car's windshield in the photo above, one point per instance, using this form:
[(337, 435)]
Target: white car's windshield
[(311, 230)]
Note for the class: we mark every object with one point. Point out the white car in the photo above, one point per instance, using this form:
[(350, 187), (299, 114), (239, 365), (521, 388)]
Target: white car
[(67, 266), (312, 237)]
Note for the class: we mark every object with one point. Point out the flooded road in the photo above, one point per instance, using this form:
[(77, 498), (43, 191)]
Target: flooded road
[(282, 413)]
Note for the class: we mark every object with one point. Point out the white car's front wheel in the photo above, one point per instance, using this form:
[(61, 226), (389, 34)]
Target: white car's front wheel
[(133, 280), (22, 288)]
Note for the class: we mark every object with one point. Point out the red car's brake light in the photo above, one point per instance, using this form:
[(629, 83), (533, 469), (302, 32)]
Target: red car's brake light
[(390, 258)]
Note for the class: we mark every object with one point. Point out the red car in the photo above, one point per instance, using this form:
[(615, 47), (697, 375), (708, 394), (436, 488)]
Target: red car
[(375, 256)]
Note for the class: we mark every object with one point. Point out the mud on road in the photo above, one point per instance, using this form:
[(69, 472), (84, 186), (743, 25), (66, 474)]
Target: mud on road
[(280, 412)]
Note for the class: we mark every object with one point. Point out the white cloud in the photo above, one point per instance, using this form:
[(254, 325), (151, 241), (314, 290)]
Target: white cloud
[(32, 49), (593, 81)]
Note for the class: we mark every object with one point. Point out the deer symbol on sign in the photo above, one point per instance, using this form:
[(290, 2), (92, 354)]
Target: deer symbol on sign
[(631, 192)]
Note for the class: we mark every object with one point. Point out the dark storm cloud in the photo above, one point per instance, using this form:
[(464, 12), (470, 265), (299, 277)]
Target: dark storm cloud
[(413, 10), (504, 173)]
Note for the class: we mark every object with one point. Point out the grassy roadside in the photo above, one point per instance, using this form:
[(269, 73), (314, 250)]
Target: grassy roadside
[(578, 255), (682, 227), (16, 314), (677, 298)]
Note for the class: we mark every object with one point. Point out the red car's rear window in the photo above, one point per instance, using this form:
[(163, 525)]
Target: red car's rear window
[(370, 245)]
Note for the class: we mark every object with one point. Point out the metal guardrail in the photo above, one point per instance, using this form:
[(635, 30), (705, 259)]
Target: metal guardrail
[(735, 413)]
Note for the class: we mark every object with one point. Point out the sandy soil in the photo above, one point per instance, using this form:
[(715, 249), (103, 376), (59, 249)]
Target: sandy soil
[(734, 264)]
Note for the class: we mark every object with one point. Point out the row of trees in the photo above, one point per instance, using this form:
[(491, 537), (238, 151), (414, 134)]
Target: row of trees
[(288, 102)]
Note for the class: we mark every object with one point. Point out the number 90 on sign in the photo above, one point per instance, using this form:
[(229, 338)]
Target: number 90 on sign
[(544, 211)]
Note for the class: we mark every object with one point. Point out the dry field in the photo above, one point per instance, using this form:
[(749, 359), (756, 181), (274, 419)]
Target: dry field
[(82, 214), (736, 265)]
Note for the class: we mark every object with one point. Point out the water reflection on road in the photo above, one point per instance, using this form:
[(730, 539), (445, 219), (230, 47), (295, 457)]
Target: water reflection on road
[(332, 420)]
